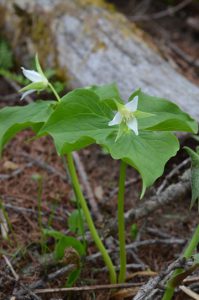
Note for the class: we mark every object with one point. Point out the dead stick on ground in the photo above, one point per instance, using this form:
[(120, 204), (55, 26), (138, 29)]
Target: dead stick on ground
[(170, 194), (189, 292), (44, 165), (16, 276), (87, 288), (164, 13), (49, 277), (148, 288)]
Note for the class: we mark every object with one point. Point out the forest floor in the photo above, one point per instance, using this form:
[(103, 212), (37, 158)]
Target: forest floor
[(165, 231)]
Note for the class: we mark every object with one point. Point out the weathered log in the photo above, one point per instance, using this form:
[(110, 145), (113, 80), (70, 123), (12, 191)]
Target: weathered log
[(90, 43)]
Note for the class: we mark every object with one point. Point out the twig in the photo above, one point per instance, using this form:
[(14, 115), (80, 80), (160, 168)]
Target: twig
[(127, 183), (164, 13), (170, 194), (137, 244), (16, 87), (87, 187), (44, 165), (50, 277), (191, 279), (3, 225), (188, 58), (158, 233), (171, 174), (153, 283), (16, 276), (87, 288), (15, 172), (189, 292)]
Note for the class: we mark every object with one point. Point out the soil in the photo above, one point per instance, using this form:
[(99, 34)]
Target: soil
[(23, 157)]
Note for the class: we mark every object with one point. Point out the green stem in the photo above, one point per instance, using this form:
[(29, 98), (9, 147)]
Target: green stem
[(170, 288), (77, 201), (89, 220), (121, 223), (54, 92)]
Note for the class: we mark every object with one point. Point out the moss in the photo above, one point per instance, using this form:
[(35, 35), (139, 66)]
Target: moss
[(41, 36), (98, 3)]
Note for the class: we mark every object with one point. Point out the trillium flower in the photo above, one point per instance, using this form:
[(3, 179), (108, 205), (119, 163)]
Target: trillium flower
[(126, 114), (39, 80)]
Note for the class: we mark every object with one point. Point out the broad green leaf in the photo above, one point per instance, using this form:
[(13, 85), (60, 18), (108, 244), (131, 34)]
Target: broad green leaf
[(194, 174), (82, 119), (76, 222), (16, 118), (147, 153), (66, 242), (78, 121), (167, 116), (107, 91), (57, 235), (63, 242)]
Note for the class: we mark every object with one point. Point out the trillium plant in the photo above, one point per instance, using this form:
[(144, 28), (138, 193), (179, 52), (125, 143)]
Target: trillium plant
[(138, 132)]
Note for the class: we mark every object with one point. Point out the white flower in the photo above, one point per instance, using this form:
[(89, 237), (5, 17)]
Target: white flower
[(126, 115), (39, 80)]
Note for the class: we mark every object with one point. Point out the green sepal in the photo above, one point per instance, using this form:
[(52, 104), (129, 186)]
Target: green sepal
[(38, 86)]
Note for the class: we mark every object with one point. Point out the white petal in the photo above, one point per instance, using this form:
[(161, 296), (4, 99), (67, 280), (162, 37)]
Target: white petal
[(133, 124), (132, 105), (116, 120), (32, 75), (26, 94)]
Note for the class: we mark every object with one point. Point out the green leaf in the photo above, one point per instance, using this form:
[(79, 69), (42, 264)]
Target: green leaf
[(63, 242), (147, 153), (134, 231), (75, 222), (107, 91), (68, 241), (16, 118), (194, 174), (81, 118), (167, 116), (72, 278)]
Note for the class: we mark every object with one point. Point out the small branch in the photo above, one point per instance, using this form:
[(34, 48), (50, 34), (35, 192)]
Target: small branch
[(16, 276), (173, 172), (88, 288), (15, 172), (50, 277), (170, 194), (189, 292), (3, 225), (164, 13), (44, 165), (148, 288), (17, 87)]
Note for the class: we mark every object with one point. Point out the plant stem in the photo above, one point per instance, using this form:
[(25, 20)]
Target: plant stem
[(77, 201), (89, 220), (54, 92), (121, 222), (170, 288)]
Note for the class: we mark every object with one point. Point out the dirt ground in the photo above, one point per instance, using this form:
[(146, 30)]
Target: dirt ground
[(24, 157)]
